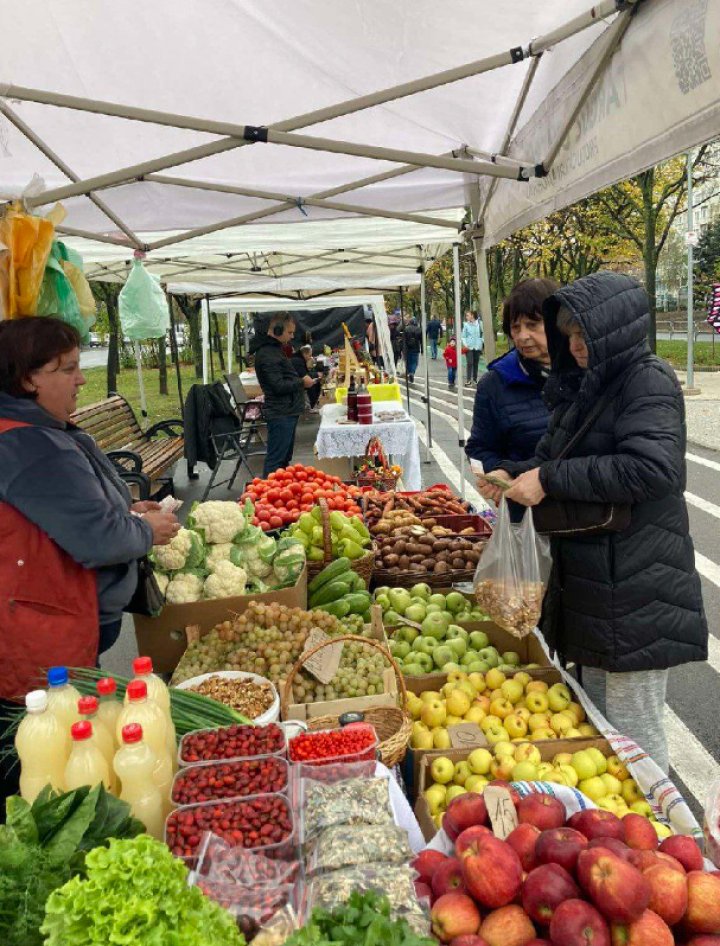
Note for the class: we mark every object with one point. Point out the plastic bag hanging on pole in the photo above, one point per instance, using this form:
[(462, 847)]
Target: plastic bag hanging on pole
[(25, 242), (57, 296), (143, 306)]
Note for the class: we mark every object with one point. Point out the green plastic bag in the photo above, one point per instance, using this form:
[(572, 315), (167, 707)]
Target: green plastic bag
[(57, 296), (143, 306)]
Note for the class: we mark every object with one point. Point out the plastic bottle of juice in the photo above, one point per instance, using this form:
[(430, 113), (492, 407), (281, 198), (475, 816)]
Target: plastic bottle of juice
[(88, 709), (62, 699), (158, 691), (110, 706), (134, 765), (86, 765), (148, 714), (41, 747)]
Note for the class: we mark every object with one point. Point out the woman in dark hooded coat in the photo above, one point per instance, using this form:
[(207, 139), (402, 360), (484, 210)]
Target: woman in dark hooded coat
[(629, 604)]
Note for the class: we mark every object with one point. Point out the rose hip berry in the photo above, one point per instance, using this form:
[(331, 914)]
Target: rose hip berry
[(230, 780), (357, 743), (231, 742)]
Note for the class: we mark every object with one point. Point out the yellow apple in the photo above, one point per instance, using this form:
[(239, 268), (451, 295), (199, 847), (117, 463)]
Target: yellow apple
[(474, 715), (435, 797), (599, 760), (523, 712), (458, 703), (414, 705), (607, 804), (438, 819), (593, 787), (536, 686), (642, 808), (502, 708), (587, 730), (631, 792), (477, 681), (527, 752), (573, 733), (495, 678), (612, 784), (453, 720), (617, 768), (476, 783), (427, 695), (538, 721), (441, 738), (504, 748), (489, 721), (483, 700), (662, 830), (466, 687), (543, 770), (577, 711), (462, 773), (495, 695), (422, 740), (524, 772), (453, 792), (442, 770), (584, 765), (570, 774), (560, 723), (563, 758), (455, 676), (496, 733), (516, 726), (479, 761), (523, 678), (433, 713), (513, 691), (559, 697), (502, 768), (540, 735), (537, 703), (556, 777)]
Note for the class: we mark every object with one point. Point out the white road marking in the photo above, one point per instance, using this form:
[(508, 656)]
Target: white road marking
[(707, 568), (451, 472), (703, 461), (689, 758), (710, 508)]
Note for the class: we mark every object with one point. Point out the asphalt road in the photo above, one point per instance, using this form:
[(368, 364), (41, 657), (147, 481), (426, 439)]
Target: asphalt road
[(93, 357)]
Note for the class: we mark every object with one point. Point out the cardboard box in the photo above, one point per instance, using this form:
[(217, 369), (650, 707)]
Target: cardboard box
[(335, 466), (164, 639), (548, 750)]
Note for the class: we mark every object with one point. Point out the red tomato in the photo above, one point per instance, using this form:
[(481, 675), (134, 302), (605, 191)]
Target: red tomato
[(307, 498), (255, 521), (301, 476), (263, 515), (273, 495), (293, 504), (296, 489), (276, 522), (286, 496), (251, 496), (265, 526)]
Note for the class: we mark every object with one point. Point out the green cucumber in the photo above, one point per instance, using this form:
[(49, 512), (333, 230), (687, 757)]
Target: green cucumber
[(358, 584), (332, 592), (338, 609), (333, 570), (359, 602)]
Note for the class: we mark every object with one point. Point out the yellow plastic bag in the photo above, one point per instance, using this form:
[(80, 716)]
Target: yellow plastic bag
[(28, 240)]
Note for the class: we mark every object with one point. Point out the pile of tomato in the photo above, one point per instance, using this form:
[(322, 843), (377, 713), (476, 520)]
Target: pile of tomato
[(287, 493)]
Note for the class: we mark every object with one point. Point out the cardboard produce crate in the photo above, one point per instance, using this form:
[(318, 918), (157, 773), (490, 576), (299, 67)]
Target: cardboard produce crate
[(548, 750), (164, 639)]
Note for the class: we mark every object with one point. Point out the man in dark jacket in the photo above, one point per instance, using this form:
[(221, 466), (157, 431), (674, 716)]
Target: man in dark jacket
[(284, 391), (433, 332), (628, 604), (412, 346)]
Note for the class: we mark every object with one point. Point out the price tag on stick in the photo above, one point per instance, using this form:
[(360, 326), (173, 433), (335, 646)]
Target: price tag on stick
[(501, 810), (467, 736), (324, 664)]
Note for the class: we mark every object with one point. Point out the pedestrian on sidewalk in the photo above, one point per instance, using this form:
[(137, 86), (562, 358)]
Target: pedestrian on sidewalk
[(450, 355), (472, 339), (623, 606), (433, 332), (412, 346)]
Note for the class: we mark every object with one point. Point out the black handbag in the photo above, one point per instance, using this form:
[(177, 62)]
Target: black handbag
[(147, 599), (569, 517)]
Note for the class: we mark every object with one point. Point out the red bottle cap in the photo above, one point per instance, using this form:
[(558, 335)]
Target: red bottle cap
[(137, 690), (132, 733), (80, 731), (142, 665), (106, 686), (87, 705)]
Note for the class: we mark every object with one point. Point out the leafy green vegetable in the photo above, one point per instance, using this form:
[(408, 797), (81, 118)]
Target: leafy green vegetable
[(364, 921), (134, 892)]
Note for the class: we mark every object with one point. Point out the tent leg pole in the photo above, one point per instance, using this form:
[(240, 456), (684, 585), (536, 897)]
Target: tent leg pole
[(423, 315), (483, 281), (176, 355), (141, 380), (204, 335), (460, 371)]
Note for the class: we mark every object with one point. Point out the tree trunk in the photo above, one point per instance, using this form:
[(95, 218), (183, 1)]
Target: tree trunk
[(218, 342), (113, 361), (646, 181), (162, 364), (191, 310)]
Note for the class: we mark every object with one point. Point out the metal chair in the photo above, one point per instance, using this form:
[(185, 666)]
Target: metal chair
[(235, 444)]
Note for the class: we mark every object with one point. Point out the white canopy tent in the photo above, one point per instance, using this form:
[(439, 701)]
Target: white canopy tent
[(324, 113)]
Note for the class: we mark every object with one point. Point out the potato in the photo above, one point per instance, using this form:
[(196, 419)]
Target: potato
[(441, 545), (390, 560), (458, 564), (404, 562), (416, 559), (441, 568), (473, 557), (442, 556), (400, 546), (429, 564)]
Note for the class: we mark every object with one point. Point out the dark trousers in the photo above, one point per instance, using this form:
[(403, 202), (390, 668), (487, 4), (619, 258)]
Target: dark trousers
[(473, 363), (411, 363), (280, 443), (452, 373), (433, 348)]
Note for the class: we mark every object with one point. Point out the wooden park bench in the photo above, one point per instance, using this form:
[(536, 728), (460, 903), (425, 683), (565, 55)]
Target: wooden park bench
[(142, 457)]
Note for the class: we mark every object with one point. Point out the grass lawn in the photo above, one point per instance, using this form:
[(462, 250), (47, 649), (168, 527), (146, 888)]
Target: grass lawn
[(706, 355), (159, 406)]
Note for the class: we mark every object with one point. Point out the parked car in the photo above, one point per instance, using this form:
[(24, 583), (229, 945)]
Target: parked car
[(94, 340)]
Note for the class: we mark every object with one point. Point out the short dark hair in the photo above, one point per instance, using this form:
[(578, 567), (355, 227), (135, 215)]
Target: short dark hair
[(527, 299), (29, 343)]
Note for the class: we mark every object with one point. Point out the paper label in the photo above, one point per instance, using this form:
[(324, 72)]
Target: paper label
[(467, 736), (324, 664), (192, 633), (501, 810)]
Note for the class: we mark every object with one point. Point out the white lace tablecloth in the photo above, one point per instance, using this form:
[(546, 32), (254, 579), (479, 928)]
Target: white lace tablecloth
[(399, 439)]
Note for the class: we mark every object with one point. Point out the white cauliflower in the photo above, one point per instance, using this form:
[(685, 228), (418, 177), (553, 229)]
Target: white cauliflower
[(259, 568), (226, 581), (219, 521), (183, 588), (162, 582), (217, 554), (184, 550)]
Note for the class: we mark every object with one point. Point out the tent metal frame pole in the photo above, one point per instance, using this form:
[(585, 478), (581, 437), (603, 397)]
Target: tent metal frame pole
[(460, 372), (614, 37), (99, 237), (485, 300), (205, 334), (45, 149), (423, 323), (230, 334), (174, 351)]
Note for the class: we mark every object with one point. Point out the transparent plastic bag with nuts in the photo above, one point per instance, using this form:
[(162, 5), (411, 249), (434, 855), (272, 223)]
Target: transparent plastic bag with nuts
[(512, 574)]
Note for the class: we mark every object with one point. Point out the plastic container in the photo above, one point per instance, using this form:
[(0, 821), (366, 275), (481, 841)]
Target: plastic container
[(148, 714), (110, 706), (62, 699), (41, 746), (378, 392), (188, 775), (157, 691), (88, 709), (271, 715), (86, 764), (189, 847), (212, 754), (368, 753), (135, 764)]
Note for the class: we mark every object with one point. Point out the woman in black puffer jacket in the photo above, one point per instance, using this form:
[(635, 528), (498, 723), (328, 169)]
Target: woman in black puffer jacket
[(629, 604)]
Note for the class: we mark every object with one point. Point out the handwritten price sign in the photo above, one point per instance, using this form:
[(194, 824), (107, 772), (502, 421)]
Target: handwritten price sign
[(501, 810)]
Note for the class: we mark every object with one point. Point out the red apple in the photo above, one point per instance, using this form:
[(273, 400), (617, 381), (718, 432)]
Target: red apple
[(508, 926), (539, 942), (649, 930), (668, 892), (703, 912), (560, 846), (491, 869), (684, 849), (464, 812), (617, 889), (454, 914), (544, 811), (469, 837), (426, 863), (639, 833), (597, 823), (545, 888), (522, 840), (644, 860), (470, 939), (704, 940), (423, 891), (576, 923), (617, 847), (448, 878)]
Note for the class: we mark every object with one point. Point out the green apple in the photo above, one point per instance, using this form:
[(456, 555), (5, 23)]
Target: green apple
[(450, 667), (454, 630), (399, 649), (382, 590), (426, 663), (444, 654), (469, 658), (416, 612), (424, 645), (391, 618), (510, 657), (421, 591), (463, 617), (413, 669), (399, 599), (478, 640), (434, 609), (439, 599), (458, 645), (406, 633), (455, 602), (442, 770), (507, 668), (383, 601), (436, 625), (478, 615), (490, 655), (477, 666)]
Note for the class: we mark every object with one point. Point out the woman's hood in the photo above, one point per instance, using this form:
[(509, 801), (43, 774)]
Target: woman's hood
[(613, 312)]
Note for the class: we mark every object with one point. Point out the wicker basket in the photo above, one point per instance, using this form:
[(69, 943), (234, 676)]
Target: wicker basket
[(382, 577), (363, 566), (392, 723)]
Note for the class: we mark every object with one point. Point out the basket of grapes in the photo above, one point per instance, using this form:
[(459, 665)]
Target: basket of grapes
[(361, 671)]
